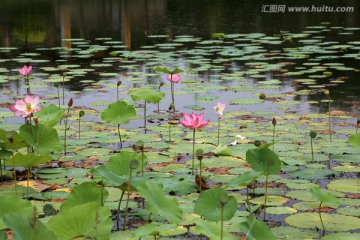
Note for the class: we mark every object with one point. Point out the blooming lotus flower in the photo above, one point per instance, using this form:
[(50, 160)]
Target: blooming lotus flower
[(175, 78), (219, 109), (25, 70), (26, 107), (194, 121)]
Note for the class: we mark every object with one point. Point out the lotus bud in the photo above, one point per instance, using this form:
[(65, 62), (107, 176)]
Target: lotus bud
[(119, 83), (70, 103), (274, 122), (327, 92), (81, 113)]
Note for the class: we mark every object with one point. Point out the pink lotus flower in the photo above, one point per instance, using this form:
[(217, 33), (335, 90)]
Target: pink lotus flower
[(25, 70), (194, 121), (219, 109), (26, 107), (175, 78)]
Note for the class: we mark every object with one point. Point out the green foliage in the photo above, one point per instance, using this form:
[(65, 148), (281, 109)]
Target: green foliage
[(262, 159), (209, 205), (354, 139), (50, 115), (11, 204), (256, 230), (147, 95), (245, 179), (117, 169), (118, 113), (85, 221), (28, 160), (325, 197), (222, 151), (84, 193), (11, 140), (166, 70), (24, 227), (42, 138), (158, 204)]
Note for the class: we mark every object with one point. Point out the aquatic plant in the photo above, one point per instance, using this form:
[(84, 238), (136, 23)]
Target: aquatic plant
[(148, 96), (25, 72), (312, 136), (118, 113), (70, 103), (262, 159), (327, 93), (26, 107), (172, 77), (219, 109), (194, 122), (81, 114)]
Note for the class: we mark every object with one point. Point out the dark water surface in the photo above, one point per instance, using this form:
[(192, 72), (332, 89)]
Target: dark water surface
[(32, 24)]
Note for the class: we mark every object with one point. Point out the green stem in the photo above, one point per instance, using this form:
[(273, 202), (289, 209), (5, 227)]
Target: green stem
[(200, 178), (118, 128), (273, 138), (193, 154), (63, 89), (142, 162), (14, 169), (79, 127), (117, 92), (312, 150), (322, 223), (58, 92), (218, 132), (265, 199), (172, 93), (330, 130), (118, 208), (127, 199), (27, 183), (145, 117), (222, 222), (66, 121)]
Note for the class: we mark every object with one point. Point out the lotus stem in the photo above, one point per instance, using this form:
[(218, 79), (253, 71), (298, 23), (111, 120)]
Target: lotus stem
[(330, 130), (65, 129), (222, 222), (145, 117), (27, 183), (127, 199), (312, 150), (193, 154), (118, 208), (120, 141), (322, 223), (63, 88), (218, 132), (265, 197)]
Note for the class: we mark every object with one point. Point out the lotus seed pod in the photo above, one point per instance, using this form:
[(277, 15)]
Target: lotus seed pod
[(140, 144), (224, 199), (199, 154), (262, 96), (313, 134), (257, 143), (134, 164)]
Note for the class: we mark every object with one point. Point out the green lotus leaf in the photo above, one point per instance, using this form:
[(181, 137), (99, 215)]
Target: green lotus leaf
[(42, 138), (209, 205), (84, 193), (147, 95), (50, 115), (345, 185), (118, 113), (292, 233), (28, 160), (244, 179), (87, 221), (324, 197), (256, 229), (263, 159), (332, 222), (342, 235), (158, 204), (166, 70), (211, 230), (12, 204), (11, 140), (222, 151), (24, 227), (154, 228), (355, 140)]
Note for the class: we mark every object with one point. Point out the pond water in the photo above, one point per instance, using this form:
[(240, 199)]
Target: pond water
[(231, 51)]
